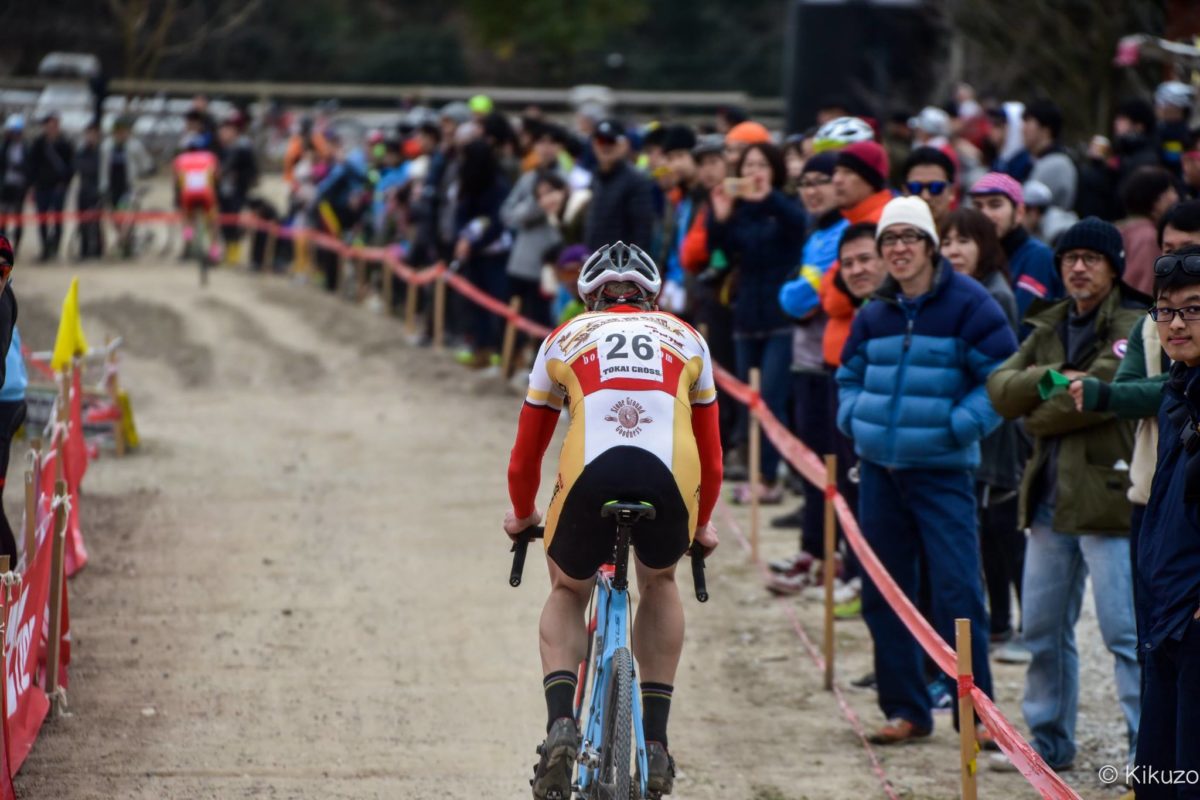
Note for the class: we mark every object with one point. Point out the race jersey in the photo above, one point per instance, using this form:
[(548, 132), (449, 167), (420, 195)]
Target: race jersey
[(628, 378), (196, 175)]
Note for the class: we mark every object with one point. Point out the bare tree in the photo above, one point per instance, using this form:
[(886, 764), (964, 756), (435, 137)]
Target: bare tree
[(1061, 49), (151, 31)]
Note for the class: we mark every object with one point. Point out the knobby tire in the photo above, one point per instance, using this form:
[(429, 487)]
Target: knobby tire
[(616, 747)]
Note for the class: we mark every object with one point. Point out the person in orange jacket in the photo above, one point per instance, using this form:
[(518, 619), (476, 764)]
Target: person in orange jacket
[(295, 148)]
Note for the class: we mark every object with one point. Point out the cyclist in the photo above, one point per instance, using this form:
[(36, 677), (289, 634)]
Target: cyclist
[(196, 192), (638, 385)]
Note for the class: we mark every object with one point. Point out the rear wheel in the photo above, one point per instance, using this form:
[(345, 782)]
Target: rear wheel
[(616, 748)]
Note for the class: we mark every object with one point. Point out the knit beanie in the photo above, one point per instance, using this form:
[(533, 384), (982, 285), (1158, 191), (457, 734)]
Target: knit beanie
[(822, 163), (868, 159), (1092, 233), (908, 211), (999, 183)]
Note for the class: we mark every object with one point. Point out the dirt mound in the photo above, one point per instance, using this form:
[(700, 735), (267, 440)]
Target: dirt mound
[(154, 331)]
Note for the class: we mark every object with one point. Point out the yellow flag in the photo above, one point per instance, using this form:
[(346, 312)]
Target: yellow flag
[(70, 341)]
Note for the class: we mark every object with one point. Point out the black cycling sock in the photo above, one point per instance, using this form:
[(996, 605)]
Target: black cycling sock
[(656, 707), (560, 695)]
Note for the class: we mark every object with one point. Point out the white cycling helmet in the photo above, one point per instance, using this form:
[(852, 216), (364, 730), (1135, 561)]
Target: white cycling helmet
[(1174, 93), (618, 262), (837, 133)]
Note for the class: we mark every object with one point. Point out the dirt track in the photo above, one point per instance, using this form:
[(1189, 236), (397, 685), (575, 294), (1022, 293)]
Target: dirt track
[(297, 586)]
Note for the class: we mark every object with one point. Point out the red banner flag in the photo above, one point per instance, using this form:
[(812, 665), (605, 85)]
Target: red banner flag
[(25, 702)]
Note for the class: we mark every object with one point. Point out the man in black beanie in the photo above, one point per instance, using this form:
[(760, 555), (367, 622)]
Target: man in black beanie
[(1073, 496)]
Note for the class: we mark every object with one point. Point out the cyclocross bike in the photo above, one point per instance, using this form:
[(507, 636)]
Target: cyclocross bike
[(614, 719)]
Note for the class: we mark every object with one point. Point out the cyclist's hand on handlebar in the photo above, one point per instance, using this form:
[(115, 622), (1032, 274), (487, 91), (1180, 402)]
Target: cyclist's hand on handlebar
[(706, 537), (514, 526)]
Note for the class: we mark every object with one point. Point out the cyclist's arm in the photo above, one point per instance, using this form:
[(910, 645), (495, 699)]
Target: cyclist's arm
[(535, 429), (707, 430), (534, 432)]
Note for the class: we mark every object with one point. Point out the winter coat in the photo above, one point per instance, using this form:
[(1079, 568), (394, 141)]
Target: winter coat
[(1167, 546), (912, 385), (1094, 447), (1136, 393), (622, 209), (764, 239)]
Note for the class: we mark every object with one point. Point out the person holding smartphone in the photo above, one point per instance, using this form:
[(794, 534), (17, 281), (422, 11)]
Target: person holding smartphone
[(761, 230)]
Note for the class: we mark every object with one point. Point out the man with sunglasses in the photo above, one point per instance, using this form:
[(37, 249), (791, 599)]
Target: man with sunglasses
[(1167, 574), (929, 174), (1073, 496), (1030, 262)]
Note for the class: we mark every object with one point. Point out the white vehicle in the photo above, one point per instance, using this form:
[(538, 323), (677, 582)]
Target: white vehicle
[(67, 92)]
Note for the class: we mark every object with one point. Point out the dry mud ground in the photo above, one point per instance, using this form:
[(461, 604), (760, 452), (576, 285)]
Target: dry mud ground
[(298, 584)]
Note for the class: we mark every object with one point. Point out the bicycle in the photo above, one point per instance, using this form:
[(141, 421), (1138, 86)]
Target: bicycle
[(614, 719)]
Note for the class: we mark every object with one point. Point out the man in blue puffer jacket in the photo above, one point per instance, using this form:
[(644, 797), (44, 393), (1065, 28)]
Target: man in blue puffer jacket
[(913, 397)]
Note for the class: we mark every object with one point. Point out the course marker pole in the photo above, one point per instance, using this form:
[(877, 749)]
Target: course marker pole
[(510, 338), (439, 313), (388, 287), (268, 262), (30, 518), (755, 472), (56, 588), (410, 306), (966, 708), (830, 564)]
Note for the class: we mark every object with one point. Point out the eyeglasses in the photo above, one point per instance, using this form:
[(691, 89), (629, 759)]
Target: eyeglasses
[(813, 183), (935, 187), (1165, 265), (1090, 258), (1187, 314), (908, 237)]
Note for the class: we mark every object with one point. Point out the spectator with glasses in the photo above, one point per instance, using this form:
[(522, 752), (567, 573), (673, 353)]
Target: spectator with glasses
[(929, 174), (1074, 490), (1167, 572), (912, 396)]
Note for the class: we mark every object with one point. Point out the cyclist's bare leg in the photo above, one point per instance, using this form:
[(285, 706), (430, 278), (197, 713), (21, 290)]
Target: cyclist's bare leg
[(658, 627), (563, 629)]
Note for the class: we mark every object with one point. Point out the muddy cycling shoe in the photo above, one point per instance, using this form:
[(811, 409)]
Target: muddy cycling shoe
[(660, 778), (552, 776)]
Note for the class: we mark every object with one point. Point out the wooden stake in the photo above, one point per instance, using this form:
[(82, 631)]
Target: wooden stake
[(360, 276), (268, 265), (389, 286), (56, 589), (510, 339), (754, 470), (966, 709), (410, 308), (830, 564), (30, 518), (439, 314), (62, 415)]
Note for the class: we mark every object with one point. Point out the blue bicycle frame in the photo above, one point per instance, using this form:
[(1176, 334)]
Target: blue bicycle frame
[(612, 632)]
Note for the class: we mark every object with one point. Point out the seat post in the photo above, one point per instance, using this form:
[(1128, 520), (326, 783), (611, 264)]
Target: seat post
[(621, 552)]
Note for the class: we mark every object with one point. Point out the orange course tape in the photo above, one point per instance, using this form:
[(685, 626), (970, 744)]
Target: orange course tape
[(1047, 782)]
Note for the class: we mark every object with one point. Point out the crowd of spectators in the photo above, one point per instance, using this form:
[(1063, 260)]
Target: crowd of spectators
[(106, 171), (955, 303), (956, 306)]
